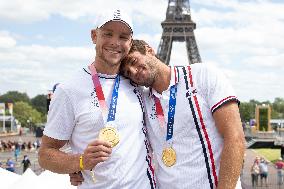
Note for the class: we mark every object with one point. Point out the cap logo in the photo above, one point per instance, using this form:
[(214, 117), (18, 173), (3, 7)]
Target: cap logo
[(116, 15)]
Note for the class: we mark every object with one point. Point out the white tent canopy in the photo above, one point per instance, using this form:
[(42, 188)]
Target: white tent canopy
[(29, 180), (7, 178)]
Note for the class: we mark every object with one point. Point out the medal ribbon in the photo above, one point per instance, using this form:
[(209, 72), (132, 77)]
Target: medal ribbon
[(171, 112), (159, 111), (101, 97)]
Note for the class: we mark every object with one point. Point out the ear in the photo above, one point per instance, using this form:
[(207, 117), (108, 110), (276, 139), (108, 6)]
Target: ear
[(150, 50), (94, 35)]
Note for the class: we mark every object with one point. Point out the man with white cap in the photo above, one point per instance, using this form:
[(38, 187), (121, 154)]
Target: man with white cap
[(91, 112)]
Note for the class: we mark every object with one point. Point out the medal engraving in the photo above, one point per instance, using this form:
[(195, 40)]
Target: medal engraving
[(169, 156), (109, 134)]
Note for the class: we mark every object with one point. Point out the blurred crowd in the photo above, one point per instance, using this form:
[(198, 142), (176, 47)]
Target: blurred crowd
[(259, 172), (18, 146)]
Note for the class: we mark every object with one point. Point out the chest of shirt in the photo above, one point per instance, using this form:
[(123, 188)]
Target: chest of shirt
[(89, 117), (187, 117)]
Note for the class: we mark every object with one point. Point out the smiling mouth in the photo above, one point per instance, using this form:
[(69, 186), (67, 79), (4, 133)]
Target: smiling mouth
[(113, 51)]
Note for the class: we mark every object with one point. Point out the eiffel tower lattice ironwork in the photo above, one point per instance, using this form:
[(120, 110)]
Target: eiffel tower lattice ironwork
[(178, 26)]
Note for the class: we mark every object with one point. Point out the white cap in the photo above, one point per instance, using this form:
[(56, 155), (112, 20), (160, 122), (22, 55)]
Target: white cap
[(115, 15)]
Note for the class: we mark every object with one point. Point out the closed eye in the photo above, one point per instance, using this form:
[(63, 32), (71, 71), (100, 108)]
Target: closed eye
[(108, 34), (125, 38)]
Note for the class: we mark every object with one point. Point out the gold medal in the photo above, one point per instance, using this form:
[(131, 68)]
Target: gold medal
[(169, 156), (109, 134)]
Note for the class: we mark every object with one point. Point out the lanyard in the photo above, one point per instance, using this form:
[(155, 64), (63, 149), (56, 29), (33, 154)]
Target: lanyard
[(171, 112), (101, 97)]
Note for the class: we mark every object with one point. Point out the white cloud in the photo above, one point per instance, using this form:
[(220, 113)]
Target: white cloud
[(252, 84), (275, 61), (178, 54), (6, 41), (24, 11), (35, 68), (248, 34), (38, 10), (243, 38), (152, 40)]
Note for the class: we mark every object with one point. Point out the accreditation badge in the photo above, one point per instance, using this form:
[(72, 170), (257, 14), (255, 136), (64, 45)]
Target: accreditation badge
[(109, 134), (169, 156)]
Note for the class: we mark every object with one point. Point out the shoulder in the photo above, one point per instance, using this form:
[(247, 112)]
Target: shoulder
[(199, 71), (80, 77), (207, 75), (205, 69)]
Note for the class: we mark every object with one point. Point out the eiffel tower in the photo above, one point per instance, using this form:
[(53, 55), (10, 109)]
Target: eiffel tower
[(178, 26)]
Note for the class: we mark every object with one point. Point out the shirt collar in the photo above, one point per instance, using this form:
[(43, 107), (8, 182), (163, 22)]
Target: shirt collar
[(100, 75), (174, 80)]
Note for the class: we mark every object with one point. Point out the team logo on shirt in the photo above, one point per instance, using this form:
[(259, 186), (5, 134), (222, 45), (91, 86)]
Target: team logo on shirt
[(189, 93), (95, 100), (153, 114)]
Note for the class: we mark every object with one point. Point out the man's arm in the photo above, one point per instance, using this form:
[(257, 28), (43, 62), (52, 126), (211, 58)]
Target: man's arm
[(51, 158), (227, 119)]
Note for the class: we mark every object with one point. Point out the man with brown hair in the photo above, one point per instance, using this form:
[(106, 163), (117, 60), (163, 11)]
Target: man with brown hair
[(194, 124)]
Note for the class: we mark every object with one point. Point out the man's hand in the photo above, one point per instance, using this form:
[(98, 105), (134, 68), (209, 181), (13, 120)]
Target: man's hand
[(76, 179), (96, 152)]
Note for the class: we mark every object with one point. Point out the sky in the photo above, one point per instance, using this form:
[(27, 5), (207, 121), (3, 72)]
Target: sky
[(44, 42)]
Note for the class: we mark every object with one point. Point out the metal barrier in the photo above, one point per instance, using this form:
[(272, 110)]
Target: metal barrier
[(272, 182)]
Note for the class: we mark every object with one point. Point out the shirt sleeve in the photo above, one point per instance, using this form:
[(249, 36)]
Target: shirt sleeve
[(61, 117), (218, 90)]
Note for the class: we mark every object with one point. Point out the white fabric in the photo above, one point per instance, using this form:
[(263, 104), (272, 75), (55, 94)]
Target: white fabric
[(190, 169), (115, 15), (29, 180), (54, 181), (7, 178), (75, 115)]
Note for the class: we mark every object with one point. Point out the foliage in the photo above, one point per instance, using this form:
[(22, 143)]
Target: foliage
[(247, 109), (14, 96), (26, 114), (39, 103), (278, 108)]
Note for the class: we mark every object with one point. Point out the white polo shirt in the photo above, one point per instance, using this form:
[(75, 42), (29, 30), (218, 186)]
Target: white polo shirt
[(75, 115), (196, 140)]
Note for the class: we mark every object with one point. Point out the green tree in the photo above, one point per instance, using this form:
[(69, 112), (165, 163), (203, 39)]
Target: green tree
[(254, 102), (278, 108), (26, 114), (14, 96), (275, 114), (247, 111), (39, 103)]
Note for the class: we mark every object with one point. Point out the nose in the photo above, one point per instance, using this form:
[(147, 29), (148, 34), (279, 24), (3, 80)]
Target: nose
[(115, 41)]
